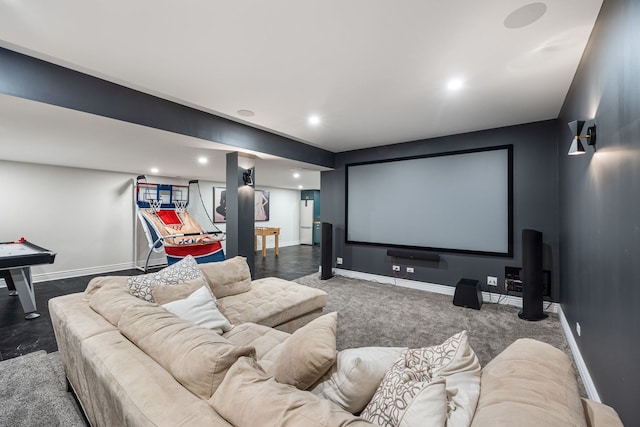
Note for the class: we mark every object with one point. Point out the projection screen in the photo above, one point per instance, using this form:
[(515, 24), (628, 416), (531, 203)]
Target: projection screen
[(460, 201)]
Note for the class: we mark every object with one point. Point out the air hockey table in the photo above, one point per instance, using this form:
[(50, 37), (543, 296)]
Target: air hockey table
[(16, 259)]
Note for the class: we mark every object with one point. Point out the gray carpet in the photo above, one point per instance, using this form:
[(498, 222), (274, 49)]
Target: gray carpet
[(33, 393), (376, 314)]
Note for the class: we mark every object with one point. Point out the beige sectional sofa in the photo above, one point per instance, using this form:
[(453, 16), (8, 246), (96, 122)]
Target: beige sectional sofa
[(132, 363)]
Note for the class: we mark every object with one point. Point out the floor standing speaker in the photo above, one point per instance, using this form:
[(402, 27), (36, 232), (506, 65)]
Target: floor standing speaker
[(326, 251), (532, 286)]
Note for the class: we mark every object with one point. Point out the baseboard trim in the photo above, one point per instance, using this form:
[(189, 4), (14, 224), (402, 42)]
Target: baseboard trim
[(66, 274), (583, 371), (437, 288)]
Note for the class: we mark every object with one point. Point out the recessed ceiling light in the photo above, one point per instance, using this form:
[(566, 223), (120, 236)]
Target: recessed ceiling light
[(300, 187), (203, 160), (525, 15), (296, 175), (246, 113), (314, 120), (455, 84), (154, 170)]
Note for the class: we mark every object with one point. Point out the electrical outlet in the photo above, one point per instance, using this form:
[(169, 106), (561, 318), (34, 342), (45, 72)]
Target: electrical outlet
[(409, 269), (396, 268), (578, 328), (339, 261), (492, 281)]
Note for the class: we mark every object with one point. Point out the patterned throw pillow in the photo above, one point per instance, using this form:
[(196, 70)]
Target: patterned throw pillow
[(441, 356), (182, 271), (408, 376), (408, 391)]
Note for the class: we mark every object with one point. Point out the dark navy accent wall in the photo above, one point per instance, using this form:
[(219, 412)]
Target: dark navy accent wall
[(240, 219), (37, 80), (600, 209), (535, 203)]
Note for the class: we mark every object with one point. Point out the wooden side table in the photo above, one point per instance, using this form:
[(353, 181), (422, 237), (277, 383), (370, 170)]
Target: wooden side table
[(264, 232)]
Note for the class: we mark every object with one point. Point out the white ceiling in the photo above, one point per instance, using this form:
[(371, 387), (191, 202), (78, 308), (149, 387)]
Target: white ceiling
[(375, 72), (40, 133)]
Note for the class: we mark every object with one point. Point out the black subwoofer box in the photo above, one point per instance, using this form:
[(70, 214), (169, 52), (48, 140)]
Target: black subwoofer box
[(468, 294)]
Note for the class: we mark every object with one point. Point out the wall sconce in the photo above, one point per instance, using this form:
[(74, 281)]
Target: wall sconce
[(247, 177), (578, 132)]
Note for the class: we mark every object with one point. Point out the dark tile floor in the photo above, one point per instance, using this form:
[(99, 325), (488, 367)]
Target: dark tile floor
[(19, 336)]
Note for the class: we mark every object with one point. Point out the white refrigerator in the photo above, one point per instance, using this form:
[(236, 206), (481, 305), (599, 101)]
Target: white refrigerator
[(306, 222)]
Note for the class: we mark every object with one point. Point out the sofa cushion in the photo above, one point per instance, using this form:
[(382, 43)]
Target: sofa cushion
[(272, 302), (229, 277), (303, 358), (111, 299), (163, 294), (196, 357), (260, 337), (530, 383), (200, 309), (354, 378), (99, 282), (267, 403), (181, 271)]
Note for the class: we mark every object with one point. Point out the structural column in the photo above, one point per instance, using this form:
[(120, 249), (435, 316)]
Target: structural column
[(240, 207)]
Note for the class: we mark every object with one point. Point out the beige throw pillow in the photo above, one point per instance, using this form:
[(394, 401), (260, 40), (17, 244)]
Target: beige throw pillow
[(196, 357), (307, 354), (181, 271), (267, 403), (354, 378), (429, 407), (200, 308), (229, 277), (163, 294), (456, 362)]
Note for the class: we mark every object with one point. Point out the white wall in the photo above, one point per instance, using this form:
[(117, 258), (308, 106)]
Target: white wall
[(87, 216), (283, 212)]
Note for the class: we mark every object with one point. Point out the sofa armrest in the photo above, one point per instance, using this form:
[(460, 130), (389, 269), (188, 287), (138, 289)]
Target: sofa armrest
[(529, 384), (598, 414)]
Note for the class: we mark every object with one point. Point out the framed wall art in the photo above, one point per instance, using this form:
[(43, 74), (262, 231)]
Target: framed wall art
[(220, 205)]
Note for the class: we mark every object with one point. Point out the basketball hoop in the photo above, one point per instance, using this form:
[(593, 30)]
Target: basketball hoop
[(155, 204), (181, 205)]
